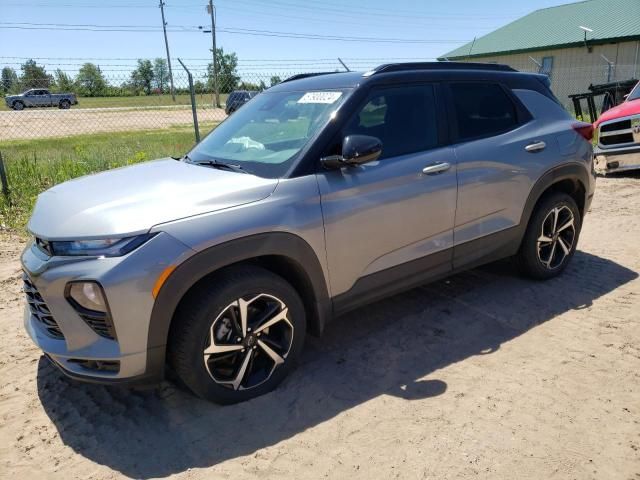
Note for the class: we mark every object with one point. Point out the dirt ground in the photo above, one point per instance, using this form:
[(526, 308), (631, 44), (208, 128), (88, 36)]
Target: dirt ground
[(52, 122), (483, 375)]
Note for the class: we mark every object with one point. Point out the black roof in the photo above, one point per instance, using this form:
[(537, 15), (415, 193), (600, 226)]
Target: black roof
[(329, 80)]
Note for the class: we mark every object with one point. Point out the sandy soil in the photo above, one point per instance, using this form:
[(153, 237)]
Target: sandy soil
[(484, 375), (51, 122)]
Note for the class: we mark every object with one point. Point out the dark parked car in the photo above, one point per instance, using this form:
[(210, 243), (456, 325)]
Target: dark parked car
[(238, 98)]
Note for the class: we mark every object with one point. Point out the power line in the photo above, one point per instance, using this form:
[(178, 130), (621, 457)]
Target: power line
[(280, 60), (332, 7), (232, 30)]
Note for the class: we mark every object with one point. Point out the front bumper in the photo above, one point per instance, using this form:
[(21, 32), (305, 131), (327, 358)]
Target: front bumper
[(127, 281), (617, 160)]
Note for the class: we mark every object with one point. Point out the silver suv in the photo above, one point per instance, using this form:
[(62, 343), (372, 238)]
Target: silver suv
[(326, 192)]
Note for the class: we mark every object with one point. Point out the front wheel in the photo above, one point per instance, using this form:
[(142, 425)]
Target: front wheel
[(551, 237), (65, 104), (18, 105), (237, 337)]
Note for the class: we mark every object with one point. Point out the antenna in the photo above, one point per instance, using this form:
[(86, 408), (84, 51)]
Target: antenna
[(471, 48), (586, 30), (345, 67), (535, 61)]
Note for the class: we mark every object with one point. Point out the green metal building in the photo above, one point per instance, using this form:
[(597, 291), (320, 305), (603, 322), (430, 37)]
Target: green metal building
[(576, 44)]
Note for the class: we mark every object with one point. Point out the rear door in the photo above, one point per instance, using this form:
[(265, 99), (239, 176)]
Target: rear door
[(386, 221), (500, 151)]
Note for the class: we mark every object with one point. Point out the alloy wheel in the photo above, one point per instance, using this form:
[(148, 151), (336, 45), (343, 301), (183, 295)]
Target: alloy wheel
[(248, 341), (558, 232)]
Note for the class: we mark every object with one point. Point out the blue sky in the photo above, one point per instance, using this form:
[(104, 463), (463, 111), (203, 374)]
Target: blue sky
[(419, 29)]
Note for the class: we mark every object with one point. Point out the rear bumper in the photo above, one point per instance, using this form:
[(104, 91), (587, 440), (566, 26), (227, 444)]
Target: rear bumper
[(617, 160)]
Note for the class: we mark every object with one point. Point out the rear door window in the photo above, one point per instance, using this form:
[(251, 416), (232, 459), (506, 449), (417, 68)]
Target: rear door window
[(403, 118), (482, 110)]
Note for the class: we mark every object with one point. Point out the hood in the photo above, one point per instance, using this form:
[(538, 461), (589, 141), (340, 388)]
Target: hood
[(128, 201), (622, 110)]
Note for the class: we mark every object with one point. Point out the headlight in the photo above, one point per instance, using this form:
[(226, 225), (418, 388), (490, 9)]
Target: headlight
[(107, 247)]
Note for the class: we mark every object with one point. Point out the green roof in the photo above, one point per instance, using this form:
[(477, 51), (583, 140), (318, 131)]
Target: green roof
[(558, 27)]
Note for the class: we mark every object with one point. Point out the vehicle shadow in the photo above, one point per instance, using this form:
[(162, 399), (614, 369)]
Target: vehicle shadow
[(388, 348)]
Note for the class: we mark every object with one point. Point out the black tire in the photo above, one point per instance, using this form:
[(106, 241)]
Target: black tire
[(198, 319), (18, 105), (531, 257), (64, 104)]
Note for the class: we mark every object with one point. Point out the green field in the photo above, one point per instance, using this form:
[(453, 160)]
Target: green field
[(141, 101), (32, 166)]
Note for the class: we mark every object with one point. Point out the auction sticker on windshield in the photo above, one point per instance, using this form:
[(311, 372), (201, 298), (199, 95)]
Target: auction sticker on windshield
[(320, 97)]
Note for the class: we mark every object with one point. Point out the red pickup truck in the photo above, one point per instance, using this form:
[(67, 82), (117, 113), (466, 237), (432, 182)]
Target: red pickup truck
[(618, 134)]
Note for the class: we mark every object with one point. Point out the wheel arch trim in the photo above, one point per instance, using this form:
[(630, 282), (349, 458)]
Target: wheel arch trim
[(215, 258), (574, 171)]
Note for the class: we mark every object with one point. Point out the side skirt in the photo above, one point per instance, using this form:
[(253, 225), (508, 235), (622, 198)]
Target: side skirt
[(427, 269)]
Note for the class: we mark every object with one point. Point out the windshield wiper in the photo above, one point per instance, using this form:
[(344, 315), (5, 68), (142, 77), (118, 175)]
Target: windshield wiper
[(221, 165)]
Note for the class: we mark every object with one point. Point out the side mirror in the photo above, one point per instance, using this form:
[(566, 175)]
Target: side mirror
[(356, 150)]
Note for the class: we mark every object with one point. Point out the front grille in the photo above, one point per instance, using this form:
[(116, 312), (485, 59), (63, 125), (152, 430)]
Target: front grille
[(39, 309), (97, 365), (612, 127), (617, 139), (617, 133)]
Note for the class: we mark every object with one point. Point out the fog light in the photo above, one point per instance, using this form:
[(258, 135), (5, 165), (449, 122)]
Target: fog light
[(88, 295)]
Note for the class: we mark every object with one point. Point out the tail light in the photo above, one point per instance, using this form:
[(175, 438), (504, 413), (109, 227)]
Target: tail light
[(585, 130)]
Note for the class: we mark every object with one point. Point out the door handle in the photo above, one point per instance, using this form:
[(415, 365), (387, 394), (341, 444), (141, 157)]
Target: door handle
[(535, 147), (436, 168)]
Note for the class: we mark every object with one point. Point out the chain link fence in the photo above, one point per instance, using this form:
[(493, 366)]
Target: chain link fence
[(40, 108), (119, 103)]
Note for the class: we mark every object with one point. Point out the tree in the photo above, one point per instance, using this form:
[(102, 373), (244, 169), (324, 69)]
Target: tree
[(63, 82), (199, 86), (228, 77), (90, 81), (248, 86), (262, 86), (9, 80), (34, 76), (142, 77), (275, 80), (160, 74)]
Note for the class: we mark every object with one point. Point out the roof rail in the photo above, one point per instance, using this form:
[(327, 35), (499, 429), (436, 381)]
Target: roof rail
[(401, 67), (305, 75)]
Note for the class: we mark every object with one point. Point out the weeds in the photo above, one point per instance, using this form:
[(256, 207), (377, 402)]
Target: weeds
[(33, 166)]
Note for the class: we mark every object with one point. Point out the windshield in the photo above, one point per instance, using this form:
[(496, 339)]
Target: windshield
[(265, 135), (635, 93)]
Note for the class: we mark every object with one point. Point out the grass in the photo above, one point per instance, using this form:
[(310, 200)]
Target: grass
[(140, 101), (33, 166)]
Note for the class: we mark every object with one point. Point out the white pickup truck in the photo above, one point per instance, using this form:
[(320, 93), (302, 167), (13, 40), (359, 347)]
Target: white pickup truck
[(40, 97)]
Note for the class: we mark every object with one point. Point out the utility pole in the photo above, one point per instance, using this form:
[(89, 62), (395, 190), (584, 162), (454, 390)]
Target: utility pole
[(166, 44), (211, 10)]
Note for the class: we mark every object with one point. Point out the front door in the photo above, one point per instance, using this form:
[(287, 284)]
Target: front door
[(388, 221)]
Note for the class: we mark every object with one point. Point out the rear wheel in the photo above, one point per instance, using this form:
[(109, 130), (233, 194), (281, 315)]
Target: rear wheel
[(18, 105), (551, 237), (239, 336)]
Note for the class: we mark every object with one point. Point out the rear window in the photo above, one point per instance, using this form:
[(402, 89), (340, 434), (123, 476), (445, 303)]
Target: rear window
[(482, 110)]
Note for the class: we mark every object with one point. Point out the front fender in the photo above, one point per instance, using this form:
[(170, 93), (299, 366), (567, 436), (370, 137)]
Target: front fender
[(212, 259)]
